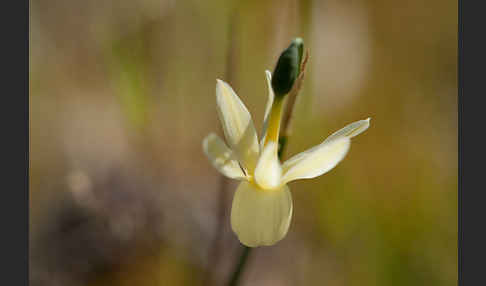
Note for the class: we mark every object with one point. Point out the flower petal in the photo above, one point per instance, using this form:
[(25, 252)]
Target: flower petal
[(315, 161), (268, 107), (238, 126), (260, 217), (221, 157), (350, 130), (268, 171)]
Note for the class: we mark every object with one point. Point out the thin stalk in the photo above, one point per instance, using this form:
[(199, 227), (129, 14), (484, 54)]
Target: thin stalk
[(214, 255), (289, 108), (235, 278)]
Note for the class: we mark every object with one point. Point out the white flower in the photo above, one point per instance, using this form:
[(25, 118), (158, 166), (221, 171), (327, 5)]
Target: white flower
[(262, 205)]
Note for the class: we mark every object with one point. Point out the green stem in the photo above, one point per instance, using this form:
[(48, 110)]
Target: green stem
[(239, 267)]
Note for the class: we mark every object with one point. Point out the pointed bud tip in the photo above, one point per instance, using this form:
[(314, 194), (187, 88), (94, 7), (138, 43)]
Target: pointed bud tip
[(298, 42), (288, 67)]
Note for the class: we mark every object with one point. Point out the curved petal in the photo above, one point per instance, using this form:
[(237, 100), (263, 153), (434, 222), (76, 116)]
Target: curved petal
[(221, 157), (238, 126), (268, 107), (315, 161), (350, 130), (268, 171), (260, 217)]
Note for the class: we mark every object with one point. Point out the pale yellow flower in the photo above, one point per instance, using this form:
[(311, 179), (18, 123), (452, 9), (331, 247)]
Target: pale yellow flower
[(262, 205)]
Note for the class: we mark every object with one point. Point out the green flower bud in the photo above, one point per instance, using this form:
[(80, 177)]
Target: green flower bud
[(288, 68)]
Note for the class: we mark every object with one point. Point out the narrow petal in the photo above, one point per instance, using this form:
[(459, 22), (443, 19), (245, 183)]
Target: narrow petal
[(315, 161), (350, 130), (260, 217), (221, 157), (268, 171), (238, 126), (268, 107)]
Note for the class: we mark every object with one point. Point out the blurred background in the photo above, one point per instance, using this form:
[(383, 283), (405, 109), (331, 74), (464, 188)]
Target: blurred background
[(122, 94)]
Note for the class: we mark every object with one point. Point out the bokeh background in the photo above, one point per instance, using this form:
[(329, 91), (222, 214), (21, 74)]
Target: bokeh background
[(123, 92)]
